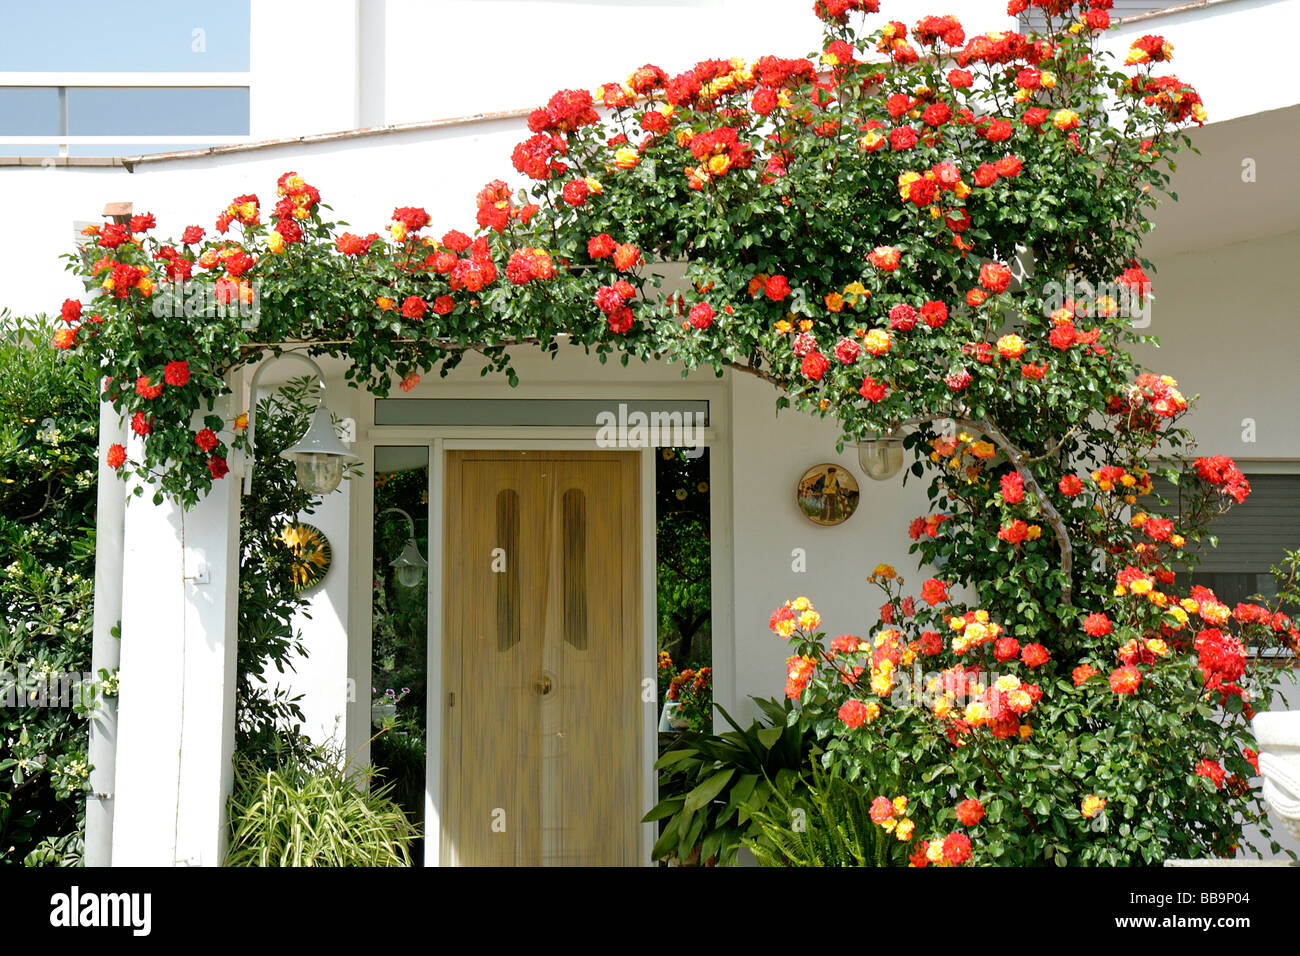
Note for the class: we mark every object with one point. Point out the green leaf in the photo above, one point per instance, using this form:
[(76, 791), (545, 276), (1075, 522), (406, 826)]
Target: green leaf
[(705, 792)]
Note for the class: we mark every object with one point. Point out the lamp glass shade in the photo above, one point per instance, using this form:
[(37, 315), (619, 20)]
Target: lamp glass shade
[(318, 474), (319, 456), (409, 566), (881, 458)]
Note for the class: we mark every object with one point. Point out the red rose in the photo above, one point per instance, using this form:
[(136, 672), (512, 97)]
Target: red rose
[(986, 175), (976, 297), (456, 241), (1006, 649), (935, 314), (71, 310), (413, 307), (626, 256), (998, 130), (599, 247), (970, 812), (1096, 625), (192, 235), (872, 390), (995, 277), (412, 217), (1008, 166), (1034, 655), (936, 114), (814, 365), (957, 380), (145, 389), (576, 192), (922, 192), (116, 456), (113, 235), (701, 315), (902, 317), (933, 591), (1013, 488), (217, 467), (443, 304), (621, 320), (1036, 116), (140, 424), (902, 138), (176, 373), (960, 79), (765, 101), (206, 439), (1211, 769), (1126, 679), (1062, 336), (1097, 20), (956, 848), (776, 288), (847, 351)]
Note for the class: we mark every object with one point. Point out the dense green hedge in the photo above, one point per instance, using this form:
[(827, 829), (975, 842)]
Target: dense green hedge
[(48, 419)]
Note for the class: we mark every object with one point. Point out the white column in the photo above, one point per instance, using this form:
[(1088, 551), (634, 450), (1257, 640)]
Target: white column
[(177, 680), (109, 526)]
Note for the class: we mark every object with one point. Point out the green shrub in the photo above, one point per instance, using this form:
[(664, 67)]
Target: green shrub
[(828, 824), (312, 812), (710, 784), (48, 462)]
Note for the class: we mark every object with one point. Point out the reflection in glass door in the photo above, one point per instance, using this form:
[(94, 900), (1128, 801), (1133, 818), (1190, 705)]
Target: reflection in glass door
[(399, 627)]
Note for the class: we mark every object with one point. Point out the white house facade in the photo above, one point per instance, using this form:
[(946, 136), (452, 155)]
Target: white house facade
[(397, 102)]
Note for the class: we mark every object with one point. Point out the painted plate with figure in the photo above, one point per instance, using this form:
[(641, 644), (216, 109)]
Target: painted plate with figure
[(827, 494)]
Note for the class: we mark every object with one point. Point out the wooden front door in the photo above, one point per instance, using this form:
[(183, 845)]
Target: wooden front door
[(541, 650)]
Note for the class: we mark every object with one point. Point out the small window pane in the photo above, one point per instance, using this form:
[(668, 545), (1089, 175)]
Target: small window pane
[(29, 112), (166, 111)]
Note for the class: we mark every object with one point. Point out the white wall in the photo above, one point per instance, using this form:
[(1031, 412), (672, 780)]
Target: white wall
[(1226, 320), (770, 453)]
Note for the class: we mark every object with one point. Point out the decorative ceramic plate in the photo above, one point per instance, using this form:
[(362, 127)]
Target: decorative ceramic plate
[(311, 554), (827, 494)]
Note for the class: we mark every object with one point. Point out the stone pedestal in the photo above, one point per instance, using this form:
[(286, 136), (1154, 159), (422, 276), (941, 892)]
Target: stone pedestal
[(1278, 736)]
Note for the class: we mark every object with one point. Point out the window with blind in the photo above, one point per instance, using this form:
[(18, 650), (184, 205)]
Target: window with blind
[(1253, 537)]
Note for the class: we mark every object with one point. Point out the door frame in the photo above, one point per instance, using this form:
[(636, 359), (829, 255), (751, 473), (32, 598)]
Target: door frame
[(441, 439)]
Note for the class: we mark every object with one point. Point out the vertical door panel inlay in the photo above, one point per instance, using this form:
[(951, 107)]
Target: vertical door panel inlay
[(575, 568), (508, 580)]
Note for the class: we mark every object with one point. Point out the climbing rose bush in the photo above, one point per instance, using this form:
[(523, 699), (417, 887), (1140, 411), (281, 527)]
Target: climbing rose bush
[(912, 229), (1126, 742)]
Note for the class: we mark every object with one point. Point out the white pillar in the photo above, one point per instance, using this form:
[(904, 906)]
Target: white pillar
[(109, 526), (177, 680)]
